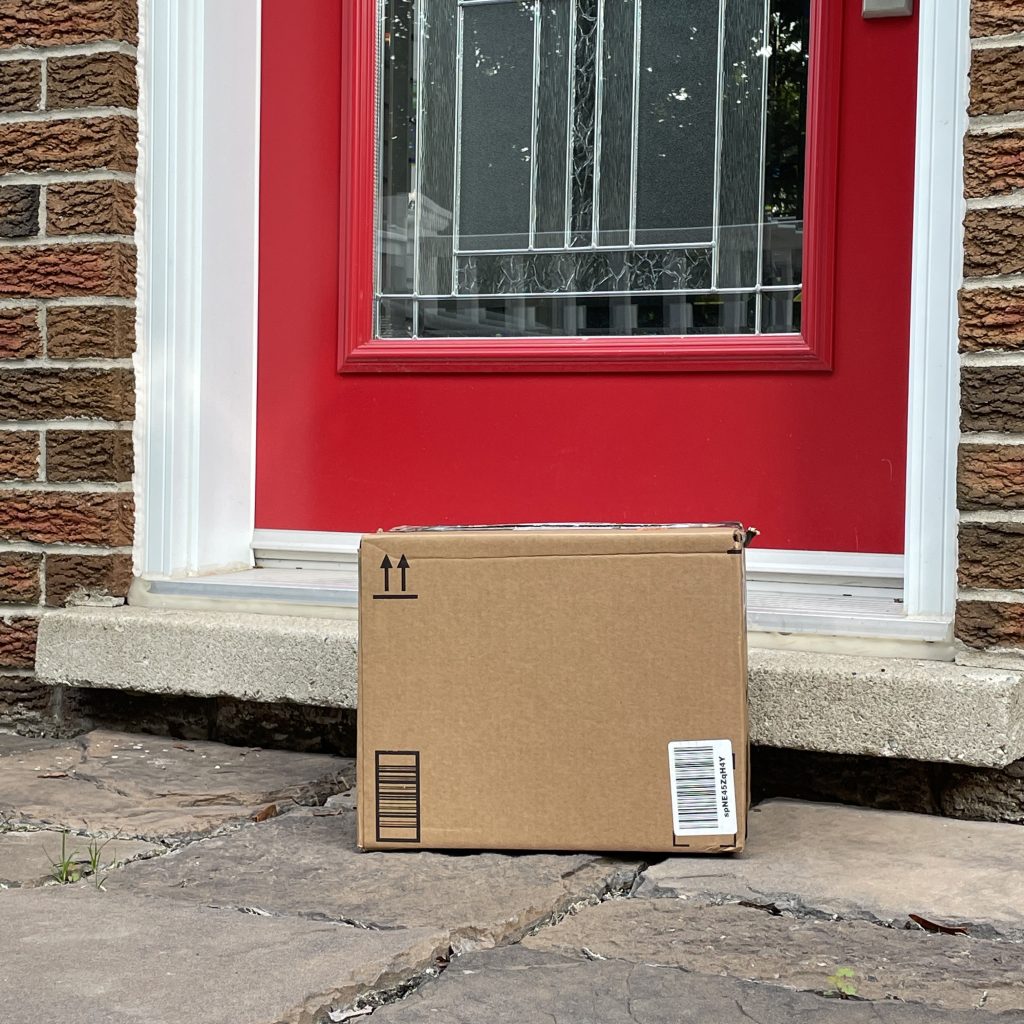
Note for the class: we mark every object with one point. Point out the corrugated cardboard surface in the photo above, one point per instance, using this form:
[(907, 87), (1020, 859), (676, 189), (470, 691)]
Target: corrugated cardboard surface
[(518, 689)]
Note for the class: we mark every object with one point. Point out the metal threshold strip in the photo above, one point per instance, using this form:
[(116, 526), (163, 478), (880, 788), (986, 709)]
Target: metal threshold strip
[(309, 587)]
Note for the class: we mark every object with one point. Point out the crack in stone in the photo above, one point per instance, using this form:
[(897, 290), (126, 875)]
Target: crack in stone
[(743, 1012), (789, 904), (373, 999), (617, 886), (612, 890), (312, 915), (348, 922), (80, 776), (629, 991)]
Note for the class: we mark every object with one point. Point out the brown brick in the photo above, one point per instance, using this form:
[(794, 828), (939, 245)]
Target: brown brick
[(20, 85), (66, 517), (19, 210), (91, 80), (90, 332), (990, 476), (25, 702), (992, 398), (19, 577), (997, 81), (991, 556), (47, 394), (90, 207), (18, 642), (996, 17), (74, 577), (19, 334), (71, 144), (993, 164), (19, 455), (993, 242), (89, 455), (982, 624), (991, 318), (44, 271), (48, 23)]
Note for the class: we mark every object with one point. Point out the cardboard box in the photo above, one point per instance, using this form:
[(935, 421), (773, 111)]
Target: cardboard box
[(553, 689)]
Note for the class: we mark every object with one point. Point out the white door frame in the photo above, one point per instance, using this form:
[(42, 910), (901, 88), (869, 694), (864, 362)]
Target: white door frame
[(198, 229)]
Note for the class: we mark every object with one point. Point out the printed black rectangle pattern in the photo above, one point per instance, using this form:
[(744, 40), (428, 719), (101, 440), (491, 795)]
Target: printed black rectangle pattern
[(696, 788), (398, 796)]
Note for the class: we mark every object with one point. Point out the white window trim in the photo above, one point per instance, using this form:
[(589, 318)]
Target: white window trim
[(197, 325)]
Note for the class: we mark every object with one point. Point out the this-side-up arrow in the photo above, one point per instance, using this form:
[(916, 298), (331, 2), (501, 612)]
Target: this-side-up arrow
[(386, 566), (403, 564)]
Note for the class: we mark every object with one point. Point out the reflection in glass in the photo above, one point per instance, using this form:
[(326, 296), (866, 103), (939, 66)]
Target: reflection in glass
[(785, 142), (636, 315), (552, 137), (572, 168), (496, 127), (601, 270), (780, 312), (676, 132)]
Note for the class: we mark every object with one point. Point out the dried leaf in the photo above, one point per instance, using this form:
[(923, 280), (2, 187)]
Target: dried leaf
[(944, 929), (268, 812)]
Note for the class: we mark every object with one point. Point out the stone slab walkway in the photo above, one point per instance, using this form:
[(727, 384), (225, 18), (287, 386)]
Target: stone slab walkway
[(229, 890), (144, 787), (857, 863)]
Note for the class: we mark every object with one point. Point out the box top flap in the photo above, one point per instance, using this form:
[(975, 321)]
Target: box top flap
[(558, 539)]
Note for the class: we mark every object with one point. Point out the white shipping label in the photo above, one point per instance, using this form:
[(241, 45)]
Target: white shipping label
[(703, 787)]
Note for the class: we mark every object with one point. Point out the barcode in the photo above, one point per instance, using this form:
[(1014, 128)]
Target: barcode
[(703, 788), (398, 796)]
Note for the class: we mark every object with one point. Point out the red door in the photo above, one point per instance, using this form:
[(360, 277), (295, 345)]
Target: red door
[(779, 401)]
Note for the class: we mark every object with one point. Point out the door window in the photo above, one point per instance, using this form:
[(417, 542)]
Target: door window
[(588, 168)]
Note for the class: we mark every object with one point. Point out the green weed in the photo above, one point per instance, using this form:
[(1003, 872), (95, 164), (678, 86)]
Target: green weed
[(93, 853), (71, 866), (64, 870), (842, 983)]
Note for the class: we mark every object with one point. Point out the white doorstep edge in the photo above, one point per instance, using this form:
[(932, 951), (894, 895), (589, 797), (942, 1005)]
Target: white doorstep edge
[(921, 710)]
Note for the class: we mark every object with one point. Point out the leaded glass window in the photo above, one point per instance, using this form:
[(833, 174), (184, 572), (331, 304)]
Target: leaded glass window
[(565, 168)]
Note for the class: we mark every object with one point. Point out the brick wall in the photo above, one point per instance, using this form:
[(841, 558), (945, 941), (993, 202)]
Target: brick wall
[(990, 615), (68, 99)]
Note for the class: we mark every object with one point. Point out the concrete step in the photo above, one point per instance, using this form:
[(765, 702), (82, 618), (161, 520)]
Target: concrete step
[(887, 707)]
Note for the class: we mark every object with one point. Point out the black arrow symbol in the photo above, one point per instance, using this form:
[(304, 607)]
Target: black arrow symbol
[(403, 564), (386, 566)]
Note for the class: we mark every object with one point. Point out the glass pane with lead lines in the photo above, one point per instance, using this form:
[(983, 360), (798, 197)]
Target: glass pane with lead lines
[(553, 168)]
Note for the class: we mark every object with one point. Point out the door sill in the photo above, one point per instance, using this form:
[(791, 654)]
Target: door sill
[(824, 616)]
